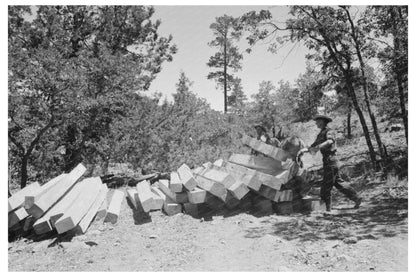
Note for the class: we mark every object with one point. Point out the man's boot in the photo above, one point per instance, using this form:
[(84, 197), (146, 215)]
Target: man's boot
[(328, 205)]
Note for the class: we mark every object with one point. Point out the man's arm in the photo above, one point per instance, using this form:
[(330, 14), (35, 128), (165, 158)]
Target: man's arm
[(324, 144), (330, 139)]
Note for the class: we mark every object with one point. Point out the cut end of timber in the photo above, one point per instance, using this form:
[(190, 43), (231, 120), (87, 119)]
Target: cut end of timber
[(42, 227), (29, 201), (54, 218), (172, 208), (80, 167), (36, 211), (112, 218), (64, 225)]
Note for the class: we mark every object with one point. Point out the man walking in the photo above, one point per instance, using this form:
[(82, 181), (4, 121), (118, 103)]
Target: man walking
[(325, 142)]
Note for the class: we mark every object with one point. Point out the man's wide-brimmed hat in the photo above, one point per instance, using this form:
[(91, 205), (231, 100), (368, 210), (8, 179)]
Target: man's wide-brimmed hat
[(261, 127), (321, 116)]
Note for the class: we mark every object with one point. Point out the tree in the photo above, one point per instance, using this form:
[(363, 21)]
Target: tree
[(324, 30), (184, 84), (310, 85), (264, 108), (226, 31), (359, 41), (70, 70), (287, 103), (392, 21), (237, 96)]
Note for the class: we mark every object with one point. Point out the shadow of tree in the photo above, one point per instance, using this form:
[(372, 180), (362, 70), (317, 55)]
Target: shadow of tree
[(380, 218)]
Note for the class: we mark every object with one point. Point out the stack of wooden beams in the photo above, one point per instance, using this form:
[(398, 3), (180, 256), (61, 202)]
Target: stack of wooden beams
[(63, 204), (261, 183)]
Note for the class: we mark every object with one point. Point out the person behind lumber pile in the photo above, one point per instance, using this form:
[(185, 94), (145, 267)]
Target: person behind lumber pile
[(325, 142), (263, 136)]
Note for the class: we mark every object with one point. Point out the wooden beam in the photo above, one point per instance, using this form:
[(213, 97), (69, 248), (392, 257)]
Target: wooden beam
[(169, 207), (269, 193), (191, 209), (133, 196), (219, 162), (266, 149), (69, 199), (145, 196), (17, 200), (175, 183), (310, 204), (114, 208), (187, 177), (285, 195), (247, 175), (258, 163), (207, 165), (198, 170), (102, 211), (30, 198), (157, 199), (53, 195), (181, 197), (28, 223), (46, 222), (219, 176), (87, 219), (215, 188), (197, 196), (239, 189), (270, 181), (264, 179), (16, 216), (242, 182), (231, 201), (80, 207)]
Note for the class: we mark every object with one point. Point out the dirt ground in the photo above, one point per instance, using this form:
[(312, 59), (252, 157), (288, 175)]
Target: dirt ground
[(372, 238)]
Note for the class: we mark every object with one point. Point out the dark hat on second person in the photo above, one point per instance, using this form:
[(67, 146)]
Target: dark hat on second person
[(261, 127), (324, 117)]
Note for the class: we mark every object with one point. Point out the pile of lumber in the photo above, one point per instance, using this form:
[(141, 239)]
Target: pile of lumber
[(62, 204), (271, 182)]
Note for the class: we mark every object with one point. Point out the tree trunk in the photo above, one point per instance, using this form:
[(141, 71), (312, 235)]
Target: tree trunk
[(357, 45), (362, 120), (349, 122), (370, 113), (225, 76), (402, 105), (23, 171), (398, 70)]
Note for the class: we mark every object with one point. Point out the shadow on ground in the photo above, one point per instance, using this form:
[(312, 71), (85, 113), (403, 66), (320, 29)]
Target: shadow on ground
[(376, 219)]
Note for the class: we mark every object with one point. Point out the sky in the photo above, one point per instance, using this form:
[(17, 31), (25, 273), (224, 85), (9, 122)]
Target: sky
[(189, 27)]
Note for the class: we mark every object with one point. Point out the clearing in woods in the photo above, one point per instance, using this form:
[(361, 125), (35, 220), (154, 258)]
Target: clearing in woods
[(372, 238)]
